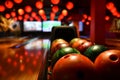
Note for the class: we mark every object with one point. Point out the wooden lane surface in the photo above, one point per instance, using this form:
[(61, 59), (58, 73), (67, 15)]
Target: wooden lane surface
[(24, 63)]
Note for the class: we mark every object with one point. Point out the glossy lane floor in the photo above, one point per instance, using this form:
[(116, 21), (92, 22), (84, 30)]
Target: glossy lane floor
[(23, 63)]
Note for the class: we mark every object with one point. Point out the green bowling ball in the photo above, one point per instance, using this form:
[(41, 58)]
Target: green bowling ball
[(61, 52), (93, 51)]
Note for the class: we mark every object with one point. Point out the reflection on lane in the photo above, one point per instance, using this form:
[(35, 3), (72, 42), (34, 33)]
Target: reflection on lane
[(22, 63)]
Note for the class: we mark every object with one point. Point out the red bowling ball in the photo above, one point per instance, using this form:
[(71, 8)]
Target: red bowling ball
[(107, 65), (59, 46), (84, 46), (73, 67)]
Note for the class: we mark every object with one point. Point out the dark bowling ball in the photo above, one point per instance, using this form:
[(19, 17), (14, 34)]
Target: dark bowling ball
[(82, 48), (107, 65), (93, 51), (73, 67), (61, 52)]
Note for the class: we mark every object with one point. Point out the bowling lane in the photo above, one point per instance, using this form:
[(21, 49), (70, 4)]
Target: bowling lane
[(24, 63)]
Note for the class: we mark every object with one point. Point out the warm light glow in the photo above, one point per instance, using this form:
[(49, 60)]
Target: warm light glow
[(87, 23), (55, 1), (110, 5), (60, 17), (26, 16), (31, 19), (20, 18), (18, 1), (15, 18), (44, 17), (52, 16), (89, 18), (20, 11), (69, 5), (2, 8), (22, 67), (113, 10), (85, 16), (28, 9), (13, 14), (39, 4), (41, 12), (55, 9), (33, 14), (64, 12), (8, 4), (107, 18), (7, 16), (83, 20)]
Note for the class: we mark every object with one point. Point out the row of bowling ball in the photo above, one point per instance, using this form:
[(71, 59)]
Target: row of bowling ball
[(81, 59)]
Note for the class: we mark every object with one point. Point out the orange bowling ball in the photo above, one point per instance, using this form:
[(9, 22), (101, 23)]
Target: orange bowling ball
[(73, 67), (107, 65), (75, 42), (55, 43)]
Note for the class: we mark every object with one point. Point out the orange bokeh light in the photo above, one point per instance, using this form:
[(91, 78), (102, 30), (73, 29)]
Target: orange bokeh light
[(20, 11), (41, 12), (64, 12)]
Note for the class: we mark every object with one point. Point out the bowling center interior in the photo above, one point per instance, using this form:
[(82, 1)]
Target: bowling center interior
[(59, 39)]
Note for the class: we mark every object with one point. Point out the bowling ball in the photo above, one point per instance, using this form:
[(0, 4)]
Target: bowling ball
[(93, 51), (60, 46), (61, 52), (82, 48), (55, 43), (73, 67), (107, 65), (75, 42)]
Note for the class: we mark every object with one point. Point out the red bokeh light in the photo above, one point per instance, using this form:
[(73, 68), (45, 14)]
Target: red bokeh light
[(55, 1), (55, 9), (13, 13), (7, 15), (69, 5), (39, 4), (2, 8), (8, 4), (18, 1), (107, 18), (52, 16), (28, 8), (20, 17)]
